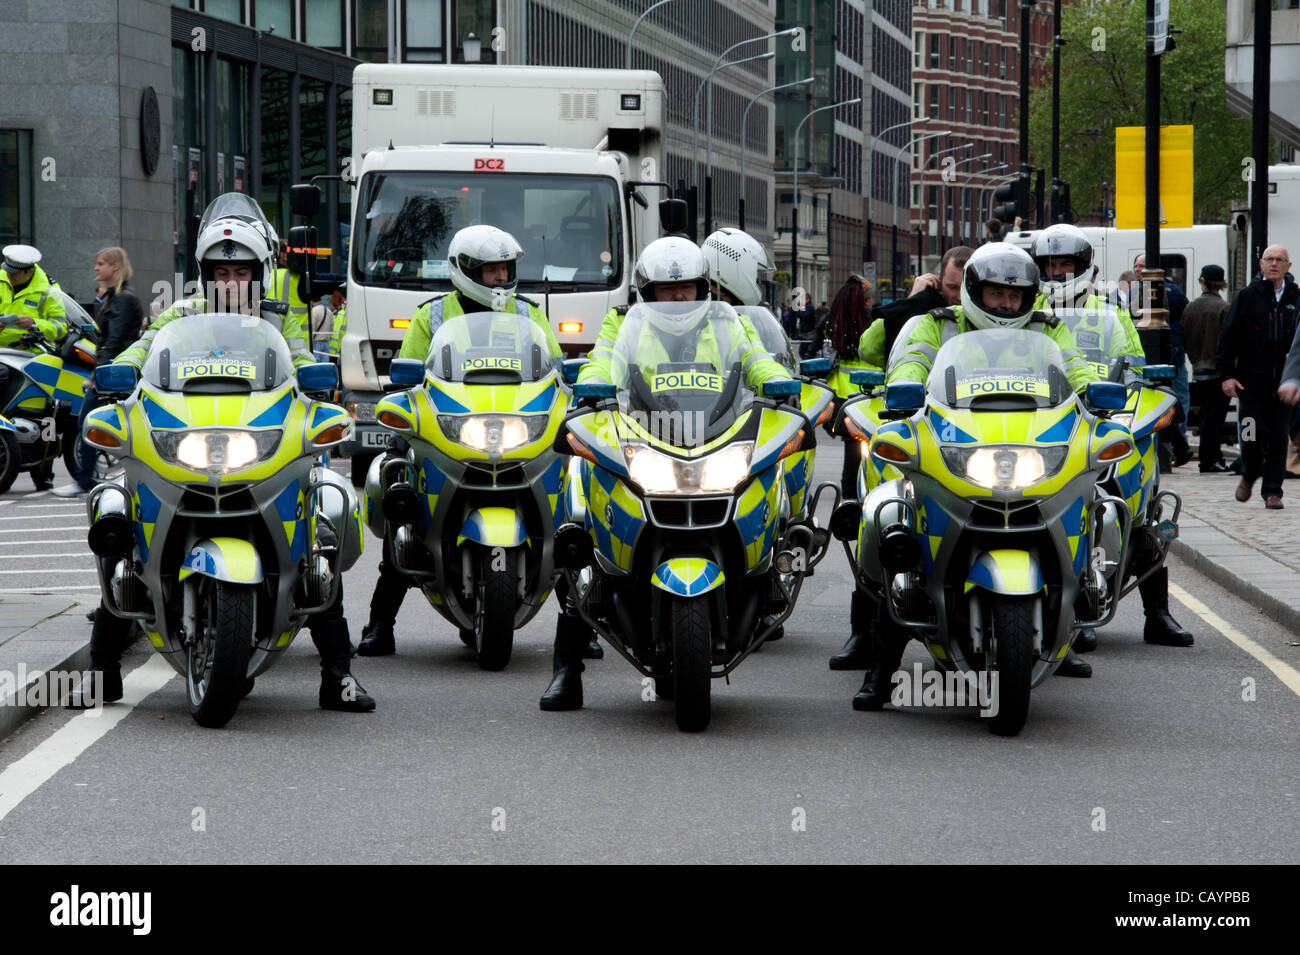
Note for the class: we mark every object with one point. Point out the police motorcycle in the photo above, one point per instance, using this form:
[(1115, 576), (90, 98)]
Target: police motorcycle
[(1148, 409), (10, 453), (677, 558), (473, 507), (41, 392), (225, 531), (982, 548)]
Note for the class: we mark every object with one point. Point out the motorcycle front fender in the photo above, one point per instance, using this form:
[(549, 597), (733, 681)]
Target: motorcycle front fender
[(687, 576), (494, 527), (223, 558), (1014, 573)]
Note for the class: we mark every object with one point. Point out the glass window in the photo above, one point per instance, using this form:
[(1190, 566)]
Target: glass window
[(16, 173), (275, 13), (952, 53), (225, 9), (275, 147), (325, 24), (935, 42), (370, 39), (477, 17), (423, 31), (934, 100)]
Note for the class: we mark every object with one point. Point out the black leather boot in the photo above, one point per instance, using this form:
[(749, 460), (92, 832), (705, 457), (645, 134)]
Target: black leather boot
[(565, 691), (1086, 641), (1072, 665), (1161, 628), (859, 651), (377, 641), (103, 682), (879, 681), (339, 689), (594, 651)]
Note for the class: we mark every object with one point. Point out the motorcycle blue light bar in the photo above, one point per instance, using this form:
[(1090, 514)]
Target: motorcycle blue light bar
[(116, 379), (571, 368), (1107, 395), (872, 378), (1159, 372), (815, 366), (786, 386), (406, 372), (904, 396), (594, 389), (321, 376)]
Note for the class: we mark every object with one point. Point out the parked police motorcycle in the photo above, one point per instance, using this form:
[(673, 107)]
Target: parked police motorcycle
[(225, 531), (983, 548), (473, 507), (1149, 408), (41, 392), (683, 483)]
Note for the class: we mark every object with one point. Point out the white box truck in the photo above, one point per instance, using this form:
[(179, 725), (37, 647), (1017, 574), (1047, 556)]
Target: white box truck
[(567, 160)]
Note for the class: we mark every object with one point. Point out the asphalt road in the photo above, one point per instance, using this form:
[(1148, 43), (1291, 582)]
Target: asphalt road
[(1157, 758)]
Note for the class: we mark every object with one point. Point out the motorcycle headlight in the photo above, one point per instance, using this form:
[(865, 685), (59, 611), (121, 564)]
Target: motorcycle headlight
[(658, 473), (1003, 468), (216, 452), (1125, 418), (493, 433)]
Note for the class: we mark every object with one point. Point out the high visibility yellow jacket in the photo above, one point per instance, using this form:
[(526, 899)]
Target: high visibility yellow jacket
[(35, 301), (427, 318)]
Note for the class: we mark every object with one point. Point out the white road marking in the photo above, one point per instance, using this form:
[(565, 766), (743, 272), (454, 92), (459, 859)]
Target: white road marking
[(43, 570), (46, 590), (33, 517), (31, 772), (1281, 669), (75, 553), (60, 540)]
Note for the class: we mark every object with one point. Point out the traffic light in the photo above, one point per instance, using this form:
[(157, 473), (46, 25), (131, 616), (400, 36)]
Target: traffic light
[(1061, 211), (1008, 195)]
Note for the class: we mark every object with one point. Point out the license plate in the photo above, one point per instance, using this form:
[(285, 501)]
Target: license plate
[(376, 439)]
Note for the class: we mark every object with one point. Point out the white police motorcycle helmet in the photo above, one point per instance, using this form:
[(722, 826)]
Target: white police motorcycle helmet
[(998, 263), (1064, 239), (474, 247), (670, 261), (737, 262)]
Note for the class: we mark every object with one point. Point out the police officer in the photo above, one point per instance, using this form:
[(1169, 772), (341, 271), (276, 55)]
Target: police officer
[(29, 309), (483, 263), (998, 288), (1064, 256), (670, 269), (235, 257)]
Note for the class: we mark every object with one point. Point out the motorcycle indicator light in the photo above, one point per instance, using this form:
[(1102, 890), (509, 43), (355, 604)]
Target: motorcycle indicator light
[(331, 435), (103, 439), (1117, 451), (581, 450), (853, 430), (1166, 419), (793, 446), (393, 420), (890, 452)]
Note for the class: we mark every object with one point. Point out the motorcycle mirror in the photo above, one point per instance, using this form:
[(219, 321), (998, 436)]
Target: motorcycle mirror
[(814, 366), (321, 376), (1159, 372), (406, 372), (781, 387), (1105, 396), (872, 379), (905, 396), (571, 368), (116, 379)]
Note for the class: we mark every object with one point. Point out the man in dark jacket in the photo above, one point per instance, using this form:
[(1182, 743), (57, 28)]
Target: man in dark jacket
[(1202, 323), (1261, 325), (930, 291)]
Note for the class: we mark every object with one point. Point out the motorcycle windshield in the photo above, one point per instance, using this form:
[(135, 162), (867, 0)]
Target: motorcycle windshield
[(234, 205), (64, 307), (489, 348), (678, 370), (1102, 338), (1002, 369), (218, 353), (772, 336)]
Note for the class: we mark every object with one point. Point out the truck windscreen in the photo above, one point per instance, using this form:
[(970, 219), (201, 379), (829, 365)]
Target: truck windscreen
[(569, 227)]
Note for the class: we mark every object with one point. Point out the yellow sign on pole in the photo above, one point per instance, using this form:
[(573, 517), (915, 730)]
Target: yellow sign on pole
[(1175, 177)]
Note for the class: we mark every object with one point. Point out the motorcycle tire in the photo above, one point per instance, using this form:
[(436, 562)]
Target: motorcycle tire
[(10, 459), (468, 638), (71, 446), (1013, 636), (216, 668), (692, 663), (494, 631)]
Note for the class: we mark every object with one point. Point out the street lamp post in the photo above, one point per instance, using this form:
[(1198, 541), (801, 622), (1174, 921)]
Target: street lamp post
[(871, 180), (988, 190), (942, 152), (708, 169), (893, 251), (627, 62), (794, 234), (978, 204), (744, 123), (946, 204)]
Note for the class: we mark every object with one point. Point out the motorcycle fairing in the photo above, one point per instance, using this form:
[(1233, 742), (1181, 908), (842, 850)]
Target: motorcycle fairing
[(223, 558), (687, 576), (494, 527), (1006, 571)]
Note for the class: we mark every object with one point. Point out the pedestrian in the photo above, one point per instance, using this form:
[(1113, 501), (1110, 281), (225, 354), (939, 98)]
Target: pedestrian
[(118, 317), (849, 317), (1202, 323), (1171, 446), (1253, 364)]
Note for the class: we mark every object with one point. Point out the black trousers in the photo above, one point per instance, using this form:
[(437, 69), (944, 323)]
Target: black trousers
[(849, 472), (1264, 419), (1214, 407), (390, 591)]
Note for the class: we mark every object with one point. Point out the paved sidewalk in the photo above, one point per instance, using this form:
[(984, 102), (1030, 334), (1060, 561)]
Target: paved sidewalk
[(1250, 550), (39, 633)]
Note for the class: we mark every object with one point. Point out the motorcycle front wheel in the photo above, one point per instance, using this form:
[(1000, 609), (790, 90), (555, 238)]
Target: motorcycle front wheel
[(1013, 636), (10, 458), (494, 630), (216, 667), (692, 663)]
